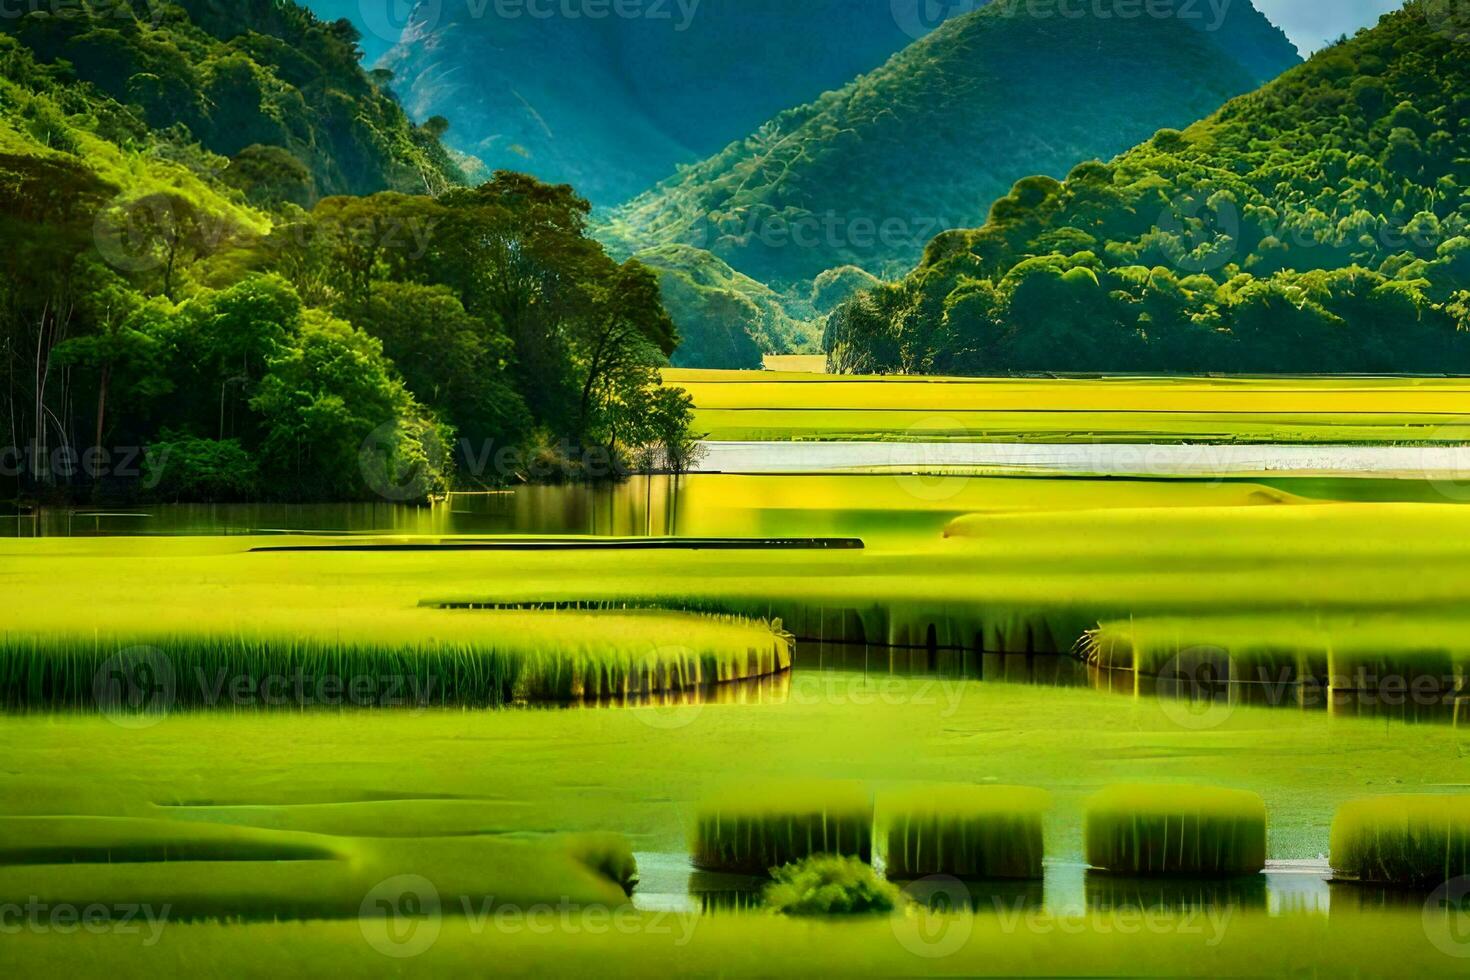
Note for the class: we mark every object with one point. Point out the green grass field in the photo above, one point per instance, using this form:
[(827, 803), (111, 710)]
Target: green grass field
[(760, 405), (524, 823)]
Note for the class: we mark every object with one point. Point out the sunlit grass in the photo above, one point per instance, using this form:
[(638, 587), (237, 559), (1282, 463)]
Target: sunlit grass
[(755, 405), (964, 830), (388, 659), (1409, 840), (1139, 829), (754, 829)]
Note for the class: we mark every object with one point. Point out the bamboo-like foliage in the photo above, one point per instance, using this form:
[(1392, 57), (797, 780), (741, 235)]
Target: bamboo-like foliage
[(755, 829), (965, 831), (1138, 829), (1409, 840), (427, 658)]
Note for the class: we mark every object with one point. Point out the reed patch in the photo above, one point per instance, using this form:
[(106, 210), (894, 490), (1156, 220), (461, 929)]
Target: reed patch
[(414, 657), (752, 830), (1142, 829), (967, 831), (1413, 841)]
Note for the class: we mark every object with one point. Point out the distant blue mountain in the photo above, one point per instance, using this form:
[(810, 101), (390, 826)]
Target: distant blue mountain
[(612, 105)]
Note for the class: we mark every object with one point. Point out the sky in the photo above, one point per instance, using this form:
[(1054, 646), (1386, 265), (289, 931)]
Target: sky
[(1309, 23), (1313, 23)]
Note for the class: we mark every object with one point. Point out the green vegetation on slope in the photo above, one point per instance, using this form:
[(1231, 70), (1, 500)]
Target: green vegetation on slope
[(162, 334), (1317, 225), (262, 83), (869, 173), (611, 99), (725, 319)]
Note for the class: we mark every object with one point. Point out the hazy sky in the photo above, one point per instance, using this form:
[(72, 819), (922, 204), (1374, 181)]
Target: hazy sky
[(1313, 23)]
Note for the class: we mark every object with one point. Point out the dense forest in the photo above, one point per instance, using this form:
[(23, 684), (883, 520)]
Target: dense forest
[(1320, 224), (192, 307), (866, 175)]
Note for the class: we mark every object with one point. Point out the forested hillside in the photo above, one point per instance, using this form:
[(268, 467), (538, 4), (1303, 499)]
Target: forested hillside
[(1317, 225), (264, 84), (867, 174), (612, 103), (171, 329)]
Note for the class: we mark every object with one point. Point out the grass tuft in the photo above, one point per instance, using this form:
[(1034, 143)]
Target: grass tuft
[(1411, 840), (965, 831), (829, 885), (1138, 829), (753, 830)]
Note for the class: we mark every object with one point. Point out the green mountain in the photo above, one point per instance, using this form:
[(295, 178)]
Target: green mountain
[(612, 103), (867, 174), (262, 83), (1320, 224)]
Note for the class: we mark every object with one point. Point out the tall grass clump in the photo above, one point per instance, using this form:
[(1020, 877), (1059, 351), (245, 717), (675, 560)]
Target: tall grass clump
[(825, 884), (1414, 841), (1348, 652), (412, 657), (1137, 829), (753, 830), (965, 831)]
